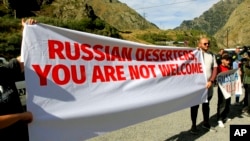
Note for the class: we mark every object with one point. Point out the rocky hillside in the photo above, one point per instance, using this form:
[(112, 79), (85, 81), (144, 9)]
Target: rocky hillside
[(124, 18), (115, 13), (228, 21), (106, 17), (214, 19), (236, 31)]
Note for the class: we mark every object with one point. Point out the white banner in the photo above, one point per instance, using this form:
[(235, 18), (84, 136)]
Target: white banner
[(81, 85), (230, 83)]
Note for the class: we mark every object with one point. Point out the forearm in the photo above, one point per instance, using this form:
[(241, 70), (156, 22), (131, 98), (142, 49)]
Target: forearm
[(21, 63), (214, 74), (7, 120)]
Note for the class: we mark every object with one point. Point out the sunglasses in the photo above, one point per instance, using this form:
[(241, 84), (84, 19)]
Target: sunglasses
[(206, 44)]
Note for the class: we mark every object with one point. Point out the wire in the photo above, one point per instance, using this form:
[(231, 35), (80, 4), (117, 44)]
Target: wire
[(165, 4), (169, 4)]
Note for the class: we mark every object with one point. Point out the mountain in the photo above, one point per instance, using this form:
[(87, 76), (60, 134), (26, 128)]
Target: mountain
[(213, 19), (115, 13), (236, 30), (115, 19), (104, 17), (120, 16)]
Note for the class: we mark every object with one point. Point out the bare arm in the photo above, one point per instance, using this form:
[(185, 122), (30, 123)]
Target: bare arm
[(21, 63), (7, 120), (214, 74)]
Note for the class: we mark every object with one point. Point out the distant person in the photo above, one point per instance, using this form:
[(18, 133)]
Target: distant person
[(238, 51), (218, 56), (244, 50), (246, 83), (236, 55), (13, 118), (211, 71), (218, 59), (236, 65), (223, 105)]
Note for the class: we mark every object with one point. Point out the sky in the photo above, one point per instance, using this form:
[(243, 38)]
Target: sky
[(168, 14)]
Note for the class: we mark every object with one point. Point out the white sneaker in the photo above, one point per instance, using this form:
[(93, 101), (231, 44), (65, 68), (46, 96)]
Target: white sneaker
[(227, 120), (220, 123)]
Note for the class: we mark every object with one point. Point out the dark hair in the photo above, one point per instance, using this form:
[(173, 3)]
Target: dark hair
[(226, 57)]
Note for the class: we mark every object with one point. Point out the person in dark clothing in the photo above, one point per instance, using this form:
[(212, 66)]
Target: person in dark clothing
[(246, 82), (223, 105), (219, 55), (13, 118)]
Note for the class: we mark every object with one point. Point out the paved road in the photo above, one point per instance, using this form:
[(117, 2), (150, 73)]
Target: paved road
[(175, 127)]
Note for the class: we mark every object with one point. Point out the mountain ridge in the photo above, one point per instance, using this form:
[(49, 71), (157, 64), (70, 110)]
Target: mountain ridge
[(222, 22), (236, 31), (115, 19), (124, 18)]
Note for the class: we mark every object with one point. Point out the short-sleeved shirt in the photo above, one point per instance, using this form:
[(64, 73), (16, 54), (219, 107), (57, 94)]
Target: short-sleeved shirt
[(210, 63), (10, 102)]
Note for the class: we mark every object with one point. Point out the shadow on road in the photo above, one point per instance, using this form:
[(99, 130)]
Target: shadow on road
[(235, 111)]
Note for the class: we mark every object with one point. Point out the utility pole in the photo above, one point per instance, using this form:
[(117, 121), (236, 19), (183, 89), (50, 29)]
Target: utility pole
[(15, 13), (227, 36)]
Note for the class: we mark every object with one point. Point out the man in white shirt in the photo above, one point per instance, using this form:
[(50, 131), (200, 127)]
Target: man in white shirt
[(211, 71)]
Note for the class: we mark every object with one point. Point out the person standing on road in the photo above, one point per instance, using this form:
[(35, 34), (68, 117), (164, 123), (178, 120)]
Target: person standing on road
[(13, 118), (246, 83), (211, 71), (223, 105), (236, 65)]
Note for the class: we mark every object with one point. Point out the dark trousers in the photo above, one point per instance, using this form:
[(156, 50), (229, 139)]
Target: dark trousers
[(223, 106), (205, 112), (246, 99)]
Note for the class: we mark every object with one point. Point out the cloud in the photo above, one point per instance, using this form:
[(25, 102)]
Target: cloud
[(169, 14)]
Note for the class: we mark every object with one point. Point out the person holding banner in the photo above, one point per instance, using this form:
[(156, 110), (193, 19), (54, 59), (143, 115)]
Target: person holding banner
[(223, 105), (211, 71), (13, 118)]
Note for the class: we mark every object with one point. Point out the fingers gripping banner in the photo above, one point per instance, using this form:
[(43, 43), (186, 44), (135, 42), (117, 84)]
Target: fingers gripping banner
[(81, 85)]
